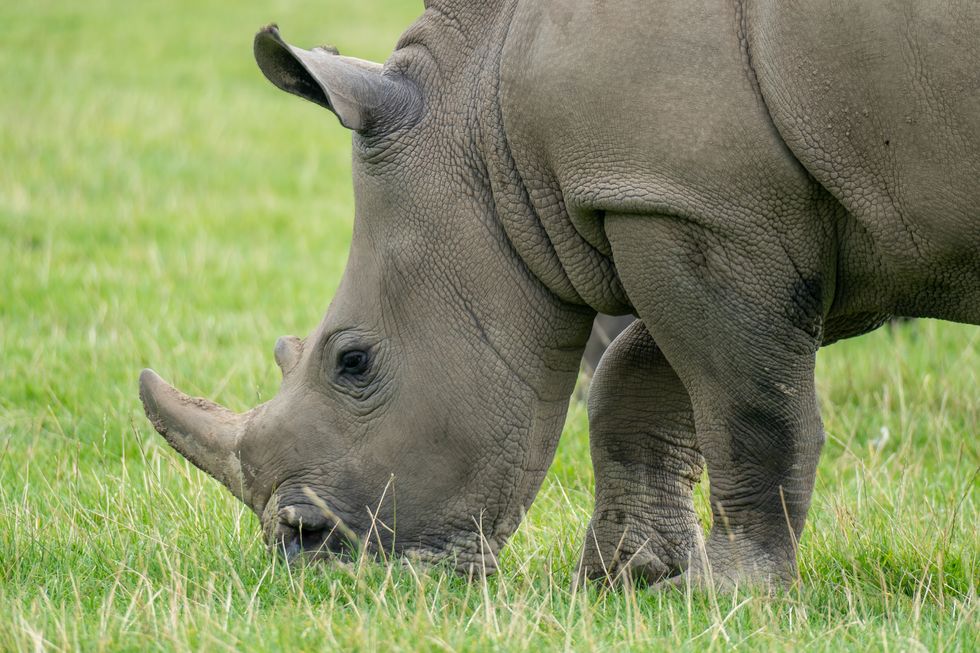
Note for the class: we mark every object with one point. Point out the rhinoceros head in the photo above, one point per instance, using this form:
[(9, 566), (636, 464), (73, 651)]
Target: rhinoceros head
[(419, 418)]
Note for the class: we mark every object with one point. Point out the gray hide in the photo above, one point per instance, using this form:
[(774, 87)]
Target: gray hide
[(605, 328), (752, 179)]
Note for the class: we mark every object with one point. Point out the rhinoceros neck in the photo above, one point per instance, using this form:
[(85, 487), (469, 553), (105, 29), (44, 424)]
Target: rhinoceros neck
[(465, 45), (568, 254)]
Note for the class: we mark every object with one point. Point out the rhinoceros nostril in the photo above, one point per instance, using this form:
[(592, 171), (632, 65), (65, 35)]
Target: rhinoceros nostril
[(288, 545), (314, 539), (319, 539)]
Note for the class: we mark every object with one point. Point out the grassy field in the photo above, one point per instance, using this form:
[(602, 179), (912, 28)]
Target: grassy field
[(162, 204)]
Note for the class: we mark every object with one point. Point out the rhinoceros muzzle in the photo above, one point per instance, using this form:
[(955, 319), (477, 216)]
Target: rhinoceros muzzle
[(308, 528), (312, 540)]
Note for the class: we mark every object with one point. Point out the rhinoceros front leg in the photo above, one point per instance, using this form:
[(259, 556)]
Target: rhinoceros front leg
[(739, 321), (641, 434)]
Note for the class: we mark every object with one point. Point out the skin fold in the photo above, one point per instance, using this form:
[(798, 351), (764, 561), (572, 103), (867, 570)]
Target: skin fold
[(605, 329), (751, 180)]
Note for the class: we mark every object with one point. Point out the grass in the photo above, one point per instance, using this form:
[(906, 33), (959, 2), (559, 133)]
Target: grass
[(161, 204)]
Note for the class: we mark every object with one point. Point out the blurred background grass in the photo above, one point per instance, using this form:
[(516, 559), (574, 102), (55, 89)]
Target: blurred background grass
[(162, 205)]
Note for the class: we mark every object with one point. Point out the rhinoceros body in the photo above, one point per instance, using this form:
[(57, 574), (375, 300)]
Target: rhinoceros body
[(752, 179)]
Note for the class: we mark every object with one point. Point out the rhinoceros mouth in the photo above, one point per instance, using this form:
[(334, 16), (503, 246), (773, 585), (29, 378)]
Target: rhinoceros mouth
[(327, 540)]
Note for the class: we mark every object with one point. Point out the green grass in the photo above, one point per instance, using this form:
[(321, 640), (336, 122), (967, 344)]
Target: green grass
[(161, 204)]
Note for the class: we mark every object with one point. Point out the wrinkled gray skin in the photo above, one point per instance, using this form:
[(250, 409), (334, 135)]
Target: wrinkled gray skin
[(605, 329), (751, 182)]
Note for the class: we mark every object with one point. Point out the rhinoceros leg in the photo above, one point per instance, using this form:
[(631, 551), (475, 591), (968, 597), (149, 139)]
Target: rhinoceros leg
[(740, 323), (641, 433)]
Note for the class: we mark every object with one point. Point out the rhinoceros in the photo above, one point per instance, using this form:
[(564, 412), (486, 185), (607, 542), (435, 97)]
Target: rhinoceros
[(752, 179)]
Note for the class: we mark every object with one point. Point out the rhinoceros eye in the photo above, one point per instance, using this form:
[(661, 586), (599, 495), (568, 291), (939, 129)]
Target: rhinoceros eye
[(353, 362)]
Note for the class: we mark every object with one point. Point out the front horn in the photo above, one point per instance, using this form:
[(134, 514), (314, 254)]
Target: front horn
[(200, 430)]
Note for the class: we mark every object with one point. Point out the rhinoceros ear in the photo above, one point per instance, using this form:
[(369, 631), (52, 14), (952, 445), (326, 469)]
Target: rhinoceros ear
[(354, 89)]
